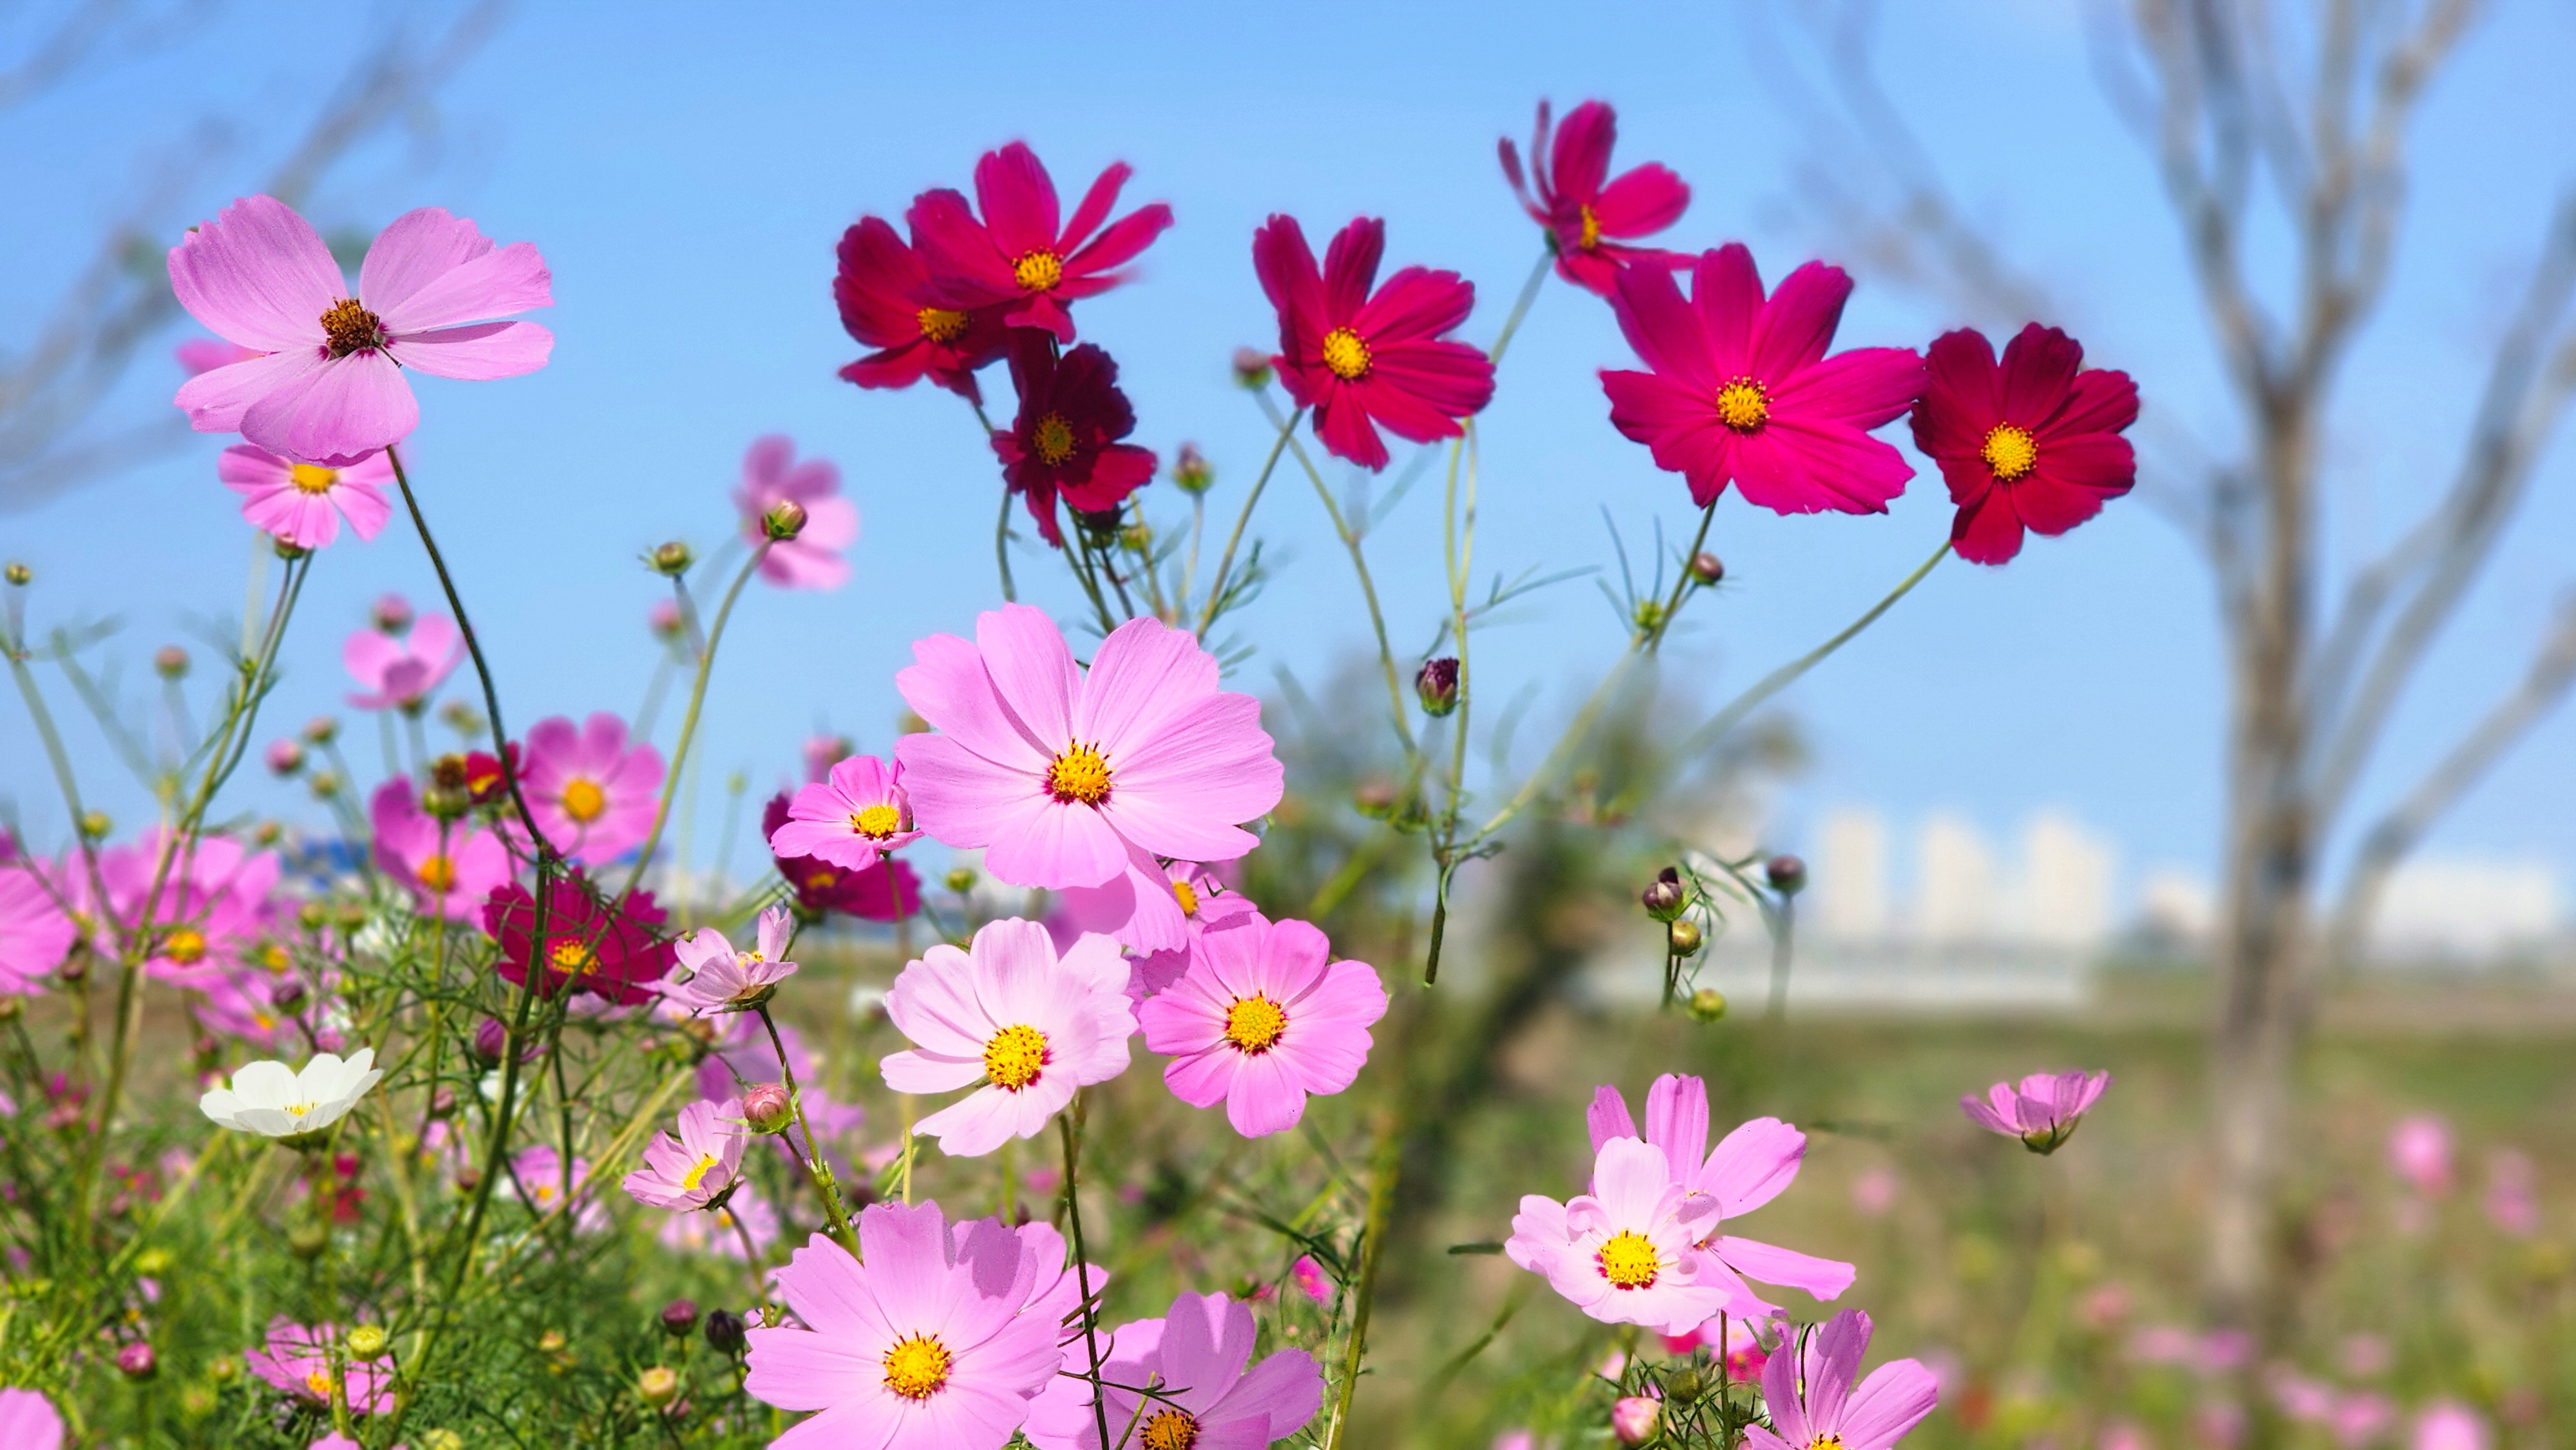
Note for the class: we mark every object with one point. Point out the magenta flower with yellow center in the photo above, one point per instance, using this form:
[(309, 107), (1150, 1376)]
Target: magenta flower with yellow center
[(1262, 1019), (1628, 1251), (884, 292), (1587, 214), (2032, 442), (400, 672), (1066, 437), (302, 503), (687, 1172), (592, 794), (299, 1360), (1209, 1394), (851, 817), (450, 867), (1023, 256)]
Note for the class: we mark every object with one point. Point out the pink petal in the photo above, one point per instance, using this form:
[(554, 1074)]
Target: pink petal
[(215, 401), (961, 798), (477, 353), (1018, 200), (1752, 1165), (366, 506), (1052, 844), (1143, 674), (1771, 1264), (258, 275), (413, 251), (1891, 1402), (498, 283), (1677, 1122), (948, 687), (1607, 1117), (1797, 324), (1032, 670), (336, 414)]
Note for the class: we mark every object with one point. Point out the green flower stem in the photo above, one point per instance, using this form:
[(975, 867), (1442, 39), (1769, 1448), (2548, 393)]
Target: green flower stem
[(1359, 563), (1001, 525), (689, 722), (1225, 561), (1386, 1157), (815, 1167), (1071, 1134), (1521, 307)]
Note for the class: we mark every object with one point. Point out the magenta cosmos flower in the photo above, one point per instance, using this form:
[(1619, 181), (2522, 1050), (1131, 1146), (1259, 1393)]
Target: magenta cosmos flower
[(35, 932), (2042, 1110), (303, 503), (211, 913), (1011, 1015), (1810, 1391), (1585, 213), (588, 948), (1064, 439), (28, 1420), (886, 891), (328, 387), (398, 672), (927, 1339), (851, 817), (1262, 1018), (448, 866), (724, 980), (1363, 360), (1628, 1251), (2032, 443), (1747, 1169), (1213, 1396), (591, 793), (1067, 778), (1020, 257), (1741, 390), (297, 1359), (2419, 1151), (771, 475), (687, 1172), (887, 302)]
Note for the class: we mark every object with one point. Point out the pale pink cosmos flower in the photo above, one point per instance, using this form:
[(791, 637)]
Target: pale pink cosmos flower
[(851, 817), (822, 752), (297, 1359), (35, 933), (1749, 1167), (2042, 1110), (927, 1339), (689, 1171), (1262, 1018), (811, 560), (302, 503), (714, 1231), (391, 613), (2450, 1425), (448, 866), (1071, 779), (1113, 910), (1211, 1396), (2513, 1200), (400, 672), (1029, 1027), (1810, 1393), (537, 1178), (1873, 1192), (213, 909), (28, 1421), (724, 980), (328, 386), (2419, 1151), (1628, 1251), (592, 794)]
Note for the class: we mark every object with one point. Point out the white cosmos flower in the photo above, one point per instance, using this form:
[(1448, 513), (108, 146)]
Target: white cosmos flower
[(273, 1099)]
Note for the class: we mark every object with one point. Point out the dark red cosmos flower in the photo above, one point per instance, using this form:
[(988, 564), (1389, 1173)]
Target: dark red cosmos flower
[(1017, 256), (486, 783), (1582, 214), (1065, 439), (882, 892), (587, 949), (1360, 360), (886, 302), (2034, 443), (1741, 390)]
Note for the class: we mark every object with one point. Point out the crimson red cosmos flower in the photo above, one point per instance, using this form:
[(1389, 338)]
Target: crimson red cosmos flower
[(486, 783), (1742, 391), (2031, 444), (887, 302), (586, 949), (882, 892), (1065, 439), (1017, 255), (1360, 360), (1580, 212)]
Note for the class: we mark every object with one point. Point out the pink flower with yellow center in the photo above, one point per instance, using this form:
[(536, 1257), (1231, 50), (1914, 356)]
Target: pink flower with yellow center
[(689, 1171), (1021, 256), (771, 475), (851, 818), (887, 302), (35, 932), (2042, 1110), (400, 672), (1809, 1388), (1263, 1018), (1210, 1394), (592, 794), (724, 980), (302, 503), (2032, 442), (298, 1360), (1136, 907), (211, 914), (449, 866), (1586, 214), (1628, 1251)]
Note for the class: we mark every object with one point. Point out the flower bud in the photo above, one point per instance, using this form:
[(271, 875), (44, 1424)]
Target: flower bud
[(784, 520), (324, 785), (1705, 567), (1685, 937), (1436, 685), (308, 1240), (658, 1386), (285, 757), (390, 614), (1136, 538), (1666, 898), (1683, 1387), (1191, 472), (1374, 799), (491, 1039), (680, 1318), (767, 1108), (266, 833), (1787, 874), (312, 916), (289, 552), (442, 1102), (442, 1439), (19, 574), (287, 995), (961, 880), (352, 915), (137, 1362), (321, 730), (1707, 1005), (724, 1331), (170, 662), (672, 559), (368, 1342), (485, 779), (1252, 367), (1634, 1419), (9, 1009), (95, 825)]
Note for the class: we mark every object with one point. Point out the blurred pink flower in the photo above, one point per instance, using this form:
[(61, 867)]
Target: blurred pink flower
[(1030, 1027), (302, 503), (399, 673), (663, 619), (448, 866), (1311, 1280), (28, 1421), (2450, 1425), (391, 612), (592, 794), (2219, 1424), (35, 934), (2419, 1151), (2360, 1418), (2123, 1435), (1201, 1351), (205, 354), (822, 752), (2513, 1199), (688, 1171), (1263, 1018), (1731, 1337), (297, 1359), (1516, 1440), (211, 913), (537, 1178), (1810, 1391), (1628, 1251), (811, 560), (2365, 1355), (1635, 1419), (2042, 1110), (712, 1232), (850, 818), (1873, 1191)]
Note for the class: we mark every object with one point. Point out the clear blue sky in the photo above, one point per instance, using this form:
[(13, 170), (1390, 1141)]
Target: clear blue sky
[(686, 171)]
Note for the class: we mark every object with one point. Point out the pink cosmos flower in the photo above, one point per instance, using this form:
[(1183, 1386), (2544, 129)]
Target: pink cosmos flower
[(301, 503), (2513, 1203), (297, 1359), (2042, 1110), (328, 387), (400, 672), (1021, 256), (2419, 1151), (887, 891), (851, 817), (1311, 1280), (724, 980), (538, 1180), (213, 909), (1749, 1167), (1213, 1397), (1628, 1251), (1635, 1419), (35, 933), (592, 795), (29, 1422), (1262, 1018), (613, 955), (1740, 390), (811, 560), (822, 752), (1130, 908), (713, 1232), (205, 354), (1582, 213), (689, 1171), (450, 867), (924, 1340), (1070, 779), (2031, 443), (1361, 359), (1031, 1027), (2450, 1425), (1813, 1401)]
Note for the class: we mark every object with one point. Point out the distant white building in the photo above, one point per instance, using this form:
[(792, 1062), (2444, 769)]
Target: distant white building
[(2068, 874), (2467, 908), (1850, 874), (1958, 893)]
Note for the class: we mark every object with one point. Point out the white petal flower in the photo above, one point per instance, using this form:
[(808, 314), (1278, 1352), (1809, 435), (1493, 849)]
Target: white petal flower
[(272, 1099)]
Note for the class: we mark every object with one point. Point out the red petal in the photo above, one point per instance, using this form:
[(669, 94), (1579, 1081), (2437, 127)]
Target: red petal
[(2103, 400), (1018, 200), (1344, 427), (1350, 265), (2038, 368), (1415, 303), (1797, 324), (1095, 205), (2051, 508), (1987, 532), (1126, 237), (1864, 387), (1669, 335), (1958, 408), (1582, 156), (1644, 200), (1728, 293)]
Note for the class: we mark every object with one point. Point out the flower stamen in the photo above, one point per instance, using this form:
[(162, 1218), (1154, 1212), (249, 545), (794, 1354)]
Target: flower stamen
[(1079, 774), (2011, 452), (349, 327), (940, 324), (1255, 1024), (312, 478), (583, 800), (917, 1367), (877, 822), (1591, 230), (1188, 896), (1347, 354), (1170, 1430), (1038, 271), (1628, 1260), (1744, 405), (1014, 1057), (1053, 439)]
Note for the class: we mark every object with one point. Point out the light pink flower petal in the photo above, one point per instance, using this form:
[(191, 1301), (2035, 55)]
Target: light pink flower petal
[(1771, 1264), (1607, 1117), (366, 506), (1144, 674), (498, 283), (336, 414), (1677, 1122), (948, 687), (1049, 845), (1891, 1402), (961, 798), (1032, 670), (215, 401), (258, 275), (1265, 1096), (414, 250), (1753, 1164), (476, 353)]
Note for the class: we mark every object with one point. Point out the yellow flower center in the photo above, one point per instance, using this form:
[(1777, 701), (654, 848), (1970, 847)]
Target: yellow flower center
[(583, 800), (1743, 405), (569, 954), (1826, 1442), (877, 822), (312, 478), (437, 873), (1079, 774), (1346, 354), (1254, 1023), (697, 1173), (1628, 1260), (1014, 1056), (297, 1110), (916, 1367), (349, 327), (1187, 896), (1591, 230), (1053, 438), (186, 946), (939, 324), (319, 1382), (2010, 452), (273, 957), (1038, 271), (821, 879), (1170, 1430)]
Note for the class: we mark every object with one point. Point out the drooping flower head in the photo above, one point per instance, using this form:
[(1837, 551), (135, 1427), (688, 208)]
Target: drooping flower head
[(925, 1340), (448, 866), (1363, 359), (1810, 1391), (1740, 389), (1064, 440), (1012, 1016), (1628, 1251), (588, 948), (35, 933), (328, 387), (399, 672), (1067, 778), (2042, 1110), (1262, 1018), (2030, 443), (592, 794), (302, 503), (885, 891), (276, 1101), (811, 560), (298, 1359), (687, 1172), (887, 302), (1584, 212), (724, 980), (852, 817), (1210, 1395), (1021, 256)]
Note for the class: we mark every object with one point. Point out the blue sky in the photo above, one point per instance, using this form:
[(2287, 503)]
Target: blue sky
[(686, 171)]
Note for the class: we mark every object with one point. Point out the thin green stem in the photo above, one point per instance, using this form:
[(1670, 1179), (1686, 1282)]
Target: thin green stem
[(1082, 1263), (1381, 1210), (1520, 308), (1781, 678), (689, 720), (1225, 561), (1002, 549), (1368, 586), (815, 1167)]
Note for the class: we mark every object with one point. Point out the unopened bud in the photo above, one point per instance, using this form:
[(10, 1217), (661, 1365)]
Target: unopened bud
[(289, 552), (1708, 1005), (1191, 472), (1665, 898), (767, 1108), (784, 520), (442, 1102), (95, 825), (664, 620), (1136, 538), (367, 1343), (1635, 1419), (1436, 685), (447, 802), (1787, 874), (19, 574), (724, 1331), (287, 996), (352, 915), (325, 785), (1682, 1388), (1374, 799), (391, 613), (308, 1240), (491, 1039), (461, 718), (658, 1386), (321, 730), (1252, 367), (680, 1318), (442, 1439), (137, 1362), (961, 880), (170, 662), (1706, 568), (1685, 937), (672, 559), (285, 757), (312, 916), (9, 1009), (266, 833)]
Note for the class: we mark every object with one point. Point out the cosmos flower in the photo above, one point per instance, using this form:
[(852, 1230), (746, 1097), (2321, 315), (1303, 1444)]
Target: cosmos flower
[(887, 303), (538, 1179), (885, 891), (688, 1171), (276, 1101), (592, 794), (1740, 390), (2033, 443), (2450, 1425), (302, 503), (1584, 214), (205, 354), (328, 386), (852, 817), (1020, 257), (450, 867), (2419, 1151), (1627, 1252), (1362, 360), (1130, 907), (1064, 439), (2042, 1110), (398, 672), (811, 560), (724, 980), (1810, 1393), (616, 957), (212, 908), (1007, 1014), (1262, 1018), (1213, 1397), (35, 933), (297, 1359)]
